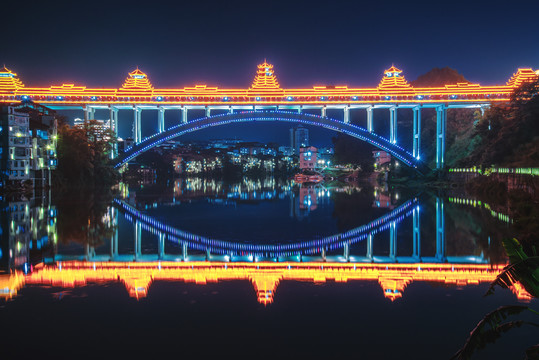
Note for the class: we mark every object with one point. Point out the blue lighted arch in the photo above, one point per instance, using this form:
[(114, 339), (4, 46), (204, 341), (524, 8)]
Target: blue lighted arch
[(331, 242), (251, 116)]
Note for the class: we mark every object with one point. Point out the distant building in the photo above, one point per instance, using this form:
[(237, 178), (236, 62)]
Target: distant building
[(381, 159), (16, 146), (299, 137), (286, 150), (28, 144), (308, 158)]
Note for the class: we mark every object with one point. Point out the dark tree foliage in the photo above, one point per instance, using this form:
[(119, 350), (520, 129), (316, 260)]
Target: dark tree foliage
[(82, 217), (349, 150), (84, 156), (508, 133), (439, 77)]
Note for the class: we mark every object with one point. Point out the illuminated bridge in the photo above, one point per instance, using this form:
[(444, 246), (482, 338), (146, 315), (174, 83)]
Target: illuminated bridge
[(265, 94)]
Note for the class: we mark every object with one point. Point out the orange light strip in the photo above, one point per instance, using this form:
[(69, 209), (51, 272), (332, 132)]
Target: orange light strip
[(265, 90), (265, 276)]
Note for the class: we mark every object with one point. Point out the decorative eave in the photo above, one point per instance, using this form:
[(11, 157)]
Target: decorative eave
[(522, 76), (136, 82), (393, 80), (9, 82)]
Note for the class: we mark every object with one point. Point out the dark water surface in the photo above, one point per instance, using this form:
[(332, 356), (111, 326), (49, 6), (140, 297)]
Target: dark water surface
[(414, 264)]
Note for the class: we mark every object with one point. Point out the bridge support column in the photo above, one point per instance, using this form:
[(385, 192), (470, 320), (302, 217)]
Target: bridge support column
[(346, 251), (416, 234), (161, 246), (370, 239), (113, 124), (393, 124), (324, 111), (441, 114), (393, 240), (208, 111), (160, 119), (138, 240), (346, 115), (369, 119), (230, 110), (417, 132), (440, 229), (137, 131), (89, 113), (184, 251), (184, 115)]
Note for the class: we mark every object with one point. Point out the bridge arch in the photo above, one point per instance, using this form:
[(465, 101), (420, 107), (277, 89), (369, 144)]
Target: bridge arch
[(287, 116), (217, 246)]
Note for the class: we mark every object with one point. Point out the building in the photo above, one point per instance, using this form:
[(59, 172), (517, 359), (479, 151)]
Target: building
[(101, 126), (286, 150), (28, 145), (381, 159), (299, 137), (308, 158), (15, 146)]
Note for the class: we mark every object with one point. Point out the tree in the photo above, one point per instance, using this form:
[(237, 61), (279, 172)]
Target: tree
[(84, 155)]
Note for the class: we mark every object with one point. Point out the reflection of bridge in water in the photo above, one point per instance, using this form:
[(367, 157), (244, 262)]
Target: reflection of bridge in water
[(265, 266), (200, 248)]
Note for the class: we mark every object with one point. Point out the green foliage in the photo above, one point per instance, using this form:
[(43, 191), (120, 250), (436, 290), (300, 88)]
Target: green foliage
[(522, 269), (489, 329), (508, 130), (83, 156)]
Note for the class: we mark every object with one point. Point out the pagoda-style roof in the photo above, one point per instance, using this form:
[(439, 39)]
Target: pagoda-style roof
[(9, 80), (265, 78), (393, 80), (522, 76), (137, 81)]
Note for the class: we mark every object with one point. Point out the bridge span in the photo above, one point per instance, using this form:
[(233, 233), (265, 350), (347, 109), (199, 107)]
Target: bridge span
[(265, 93)]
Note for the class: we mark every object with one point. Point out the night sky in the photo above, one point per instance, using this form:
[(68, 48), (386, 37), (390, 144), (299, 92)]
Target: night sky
[(183, 43)]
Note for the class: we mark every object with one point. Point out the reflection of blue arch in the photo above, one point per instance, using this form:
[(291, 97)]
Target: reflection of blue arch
[(248, 116), (306, 247)]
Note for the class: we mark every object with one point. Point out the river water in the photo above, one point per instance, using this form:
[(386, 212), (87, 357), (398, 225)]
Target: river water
[(335, 269)]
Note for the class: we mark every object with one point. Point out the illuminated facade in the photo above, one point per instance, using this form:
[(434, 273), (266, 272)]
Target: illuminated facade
[(393, 93), (265, 277)]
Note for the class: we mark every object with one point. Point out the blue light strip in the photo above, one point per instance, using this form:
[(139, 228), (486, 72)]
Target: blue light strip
[(246, 116), (313, 246)]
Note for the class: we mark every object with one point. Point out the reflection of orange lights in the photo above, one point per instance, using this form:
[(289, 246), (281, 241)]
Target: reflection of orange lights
[(520, 292), (265, 276), (265, 90)]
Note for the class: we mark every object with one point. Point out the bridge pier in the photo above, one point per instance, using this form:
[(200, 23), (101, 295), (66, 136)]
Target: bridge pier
[(370, 239), (324, 111), (346, 251), (346, 111), (416, 234), (393, 124), (161, 246), (440, 230), (393, 240), (441, 116), (417, 132), (184, 114), (208, 111), (138, 240), (184, 251), (369, 119), (137, 131), (113, 124), (161, 119), (89, 113)]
